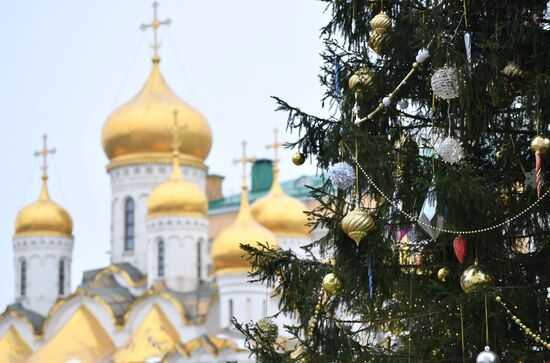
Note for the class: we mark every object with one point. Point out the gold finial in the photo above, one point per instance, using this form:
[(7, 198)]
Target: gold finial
[(244, 160), (44, 154), (275, 146), (176, 143), (155, 24)]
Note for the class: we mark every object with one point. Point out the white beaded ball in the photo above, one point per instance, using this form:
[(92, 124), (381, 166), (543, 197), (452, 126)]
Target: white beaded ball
[(445, 83), (450, 150)]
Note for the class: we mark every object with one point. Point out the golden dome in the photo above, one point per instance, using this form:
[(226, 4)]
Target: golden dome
[(139, 130), (177, 196), (43, 217), (280, 213), (226, 254)]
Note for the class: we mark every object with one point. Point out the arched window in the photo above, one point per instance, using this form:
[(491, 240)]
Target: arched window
[(23, 278), (129, 225), (61, 277), (199, 259), (160, 254), (230, 310)]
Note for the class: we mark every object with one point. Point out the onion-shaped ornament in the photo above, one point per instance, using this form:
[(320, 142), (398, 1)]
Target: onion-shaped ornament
[(332, 284), (514, 72), (363, 79), (379, 42), (445, 83), (474, 278), (357, 224), (298, 158), (450, 150), (487, 356), (381, 23), (443, 274)]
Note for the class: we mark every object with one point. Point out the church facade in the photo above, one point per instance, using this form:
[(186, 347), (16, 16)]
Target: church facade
[(177, 275)]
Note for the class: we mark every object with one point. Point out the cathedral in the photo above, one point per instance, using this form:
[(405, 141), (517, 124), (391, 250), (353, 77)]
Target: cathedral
[(177, 275)]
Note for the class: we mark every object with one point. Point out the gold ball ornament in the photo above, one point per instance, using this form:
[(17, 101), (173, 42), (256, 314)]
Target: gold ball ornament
[(298, 158), (443, 274), (362, 79), (540, 143), (331, 284), (381, 23), (474, 278), (357, 224)]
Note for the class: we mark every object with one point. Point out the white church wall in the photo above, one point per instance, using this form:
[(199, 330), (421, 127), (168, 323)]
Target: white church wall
[(181, 236), (42, 256), (240, 299), (136, 181)]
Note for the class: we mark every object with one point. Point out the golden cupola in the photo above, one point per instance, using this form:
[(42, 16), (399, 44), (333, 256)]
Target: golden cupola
[(137, 131), (226, 254), (43, 217), (280, 213), (177, 196)]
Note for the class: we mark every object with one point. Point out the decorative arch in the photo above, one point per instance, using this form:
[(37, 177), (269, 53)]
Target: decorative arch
[(72, 303)]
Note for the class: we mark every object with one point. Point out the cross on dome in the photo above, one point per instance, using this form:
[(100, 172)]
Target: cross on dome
[(155, 25), (44, 154), (275, 146), (244, 160)]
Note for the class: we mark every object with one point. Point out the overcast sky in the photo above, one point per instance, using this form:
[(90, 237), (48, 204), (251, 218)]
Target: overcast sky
[(68, 64)]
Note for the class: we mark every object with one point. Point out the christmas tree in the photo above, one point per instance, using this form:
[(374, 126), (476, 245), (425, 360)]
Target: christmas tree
[(437, 215)]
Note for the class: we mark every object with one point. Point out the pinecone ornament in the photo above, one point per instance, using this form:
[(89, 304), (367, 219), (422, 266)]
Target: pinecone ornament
[(460, 245)]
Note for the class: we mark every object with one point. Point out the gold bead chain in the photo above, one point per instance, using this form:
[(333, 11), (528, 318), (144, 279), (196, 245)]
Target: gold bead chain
[(527, 331), (444, 230)]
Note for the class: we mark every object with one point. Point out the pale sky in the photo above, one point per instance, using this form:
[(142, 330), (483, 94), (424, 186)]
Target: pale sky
[(68, 64)]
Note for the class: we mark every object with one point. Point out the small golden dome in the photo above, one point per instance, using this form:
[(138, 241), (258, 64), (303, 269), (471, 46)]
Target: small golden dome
[(139, 130), (280, 213), (226, 254), (43, 217), (177, 196)]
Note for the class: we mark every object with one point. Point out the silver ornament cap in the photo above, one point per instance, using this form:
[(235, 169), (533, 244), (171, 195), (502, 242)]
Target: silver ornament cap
[(487, 356)]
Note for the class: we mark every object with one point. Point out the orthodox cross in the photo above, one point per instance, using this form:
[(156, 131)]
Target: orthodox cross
[(155, 24), (275, 146), (44, 154), (244, 160)]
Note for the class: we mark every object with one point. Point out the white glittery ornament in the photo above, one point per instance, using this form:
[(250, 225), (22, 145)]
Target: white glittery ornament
[(450, 150), (342, 175), (487, 356), (445, 83)]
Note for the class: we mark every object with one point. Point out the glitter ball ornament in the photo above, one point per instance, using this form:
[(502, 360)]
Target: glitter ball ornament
[(363, 79), (342, 175), (487, 356), (357, 224), (450, 150), (460, 245), (268, 328), (445, 83), (331, 284), (298, 158), (443, 274), (474, 278)]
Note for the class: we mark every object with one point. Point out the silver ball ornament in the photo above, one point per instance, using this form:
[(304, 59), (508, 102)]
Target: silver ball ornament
[(450, 150), (445, 83), (487, 356)]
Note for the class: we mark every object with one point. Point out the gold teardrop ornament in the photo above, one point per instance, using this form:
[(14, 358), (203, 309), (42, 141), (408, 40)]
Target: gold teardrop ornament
[(357, 224)]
